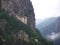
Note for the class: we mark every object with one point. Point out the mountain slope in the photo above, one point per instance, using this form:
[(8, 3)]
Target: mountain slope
[(47, 26)]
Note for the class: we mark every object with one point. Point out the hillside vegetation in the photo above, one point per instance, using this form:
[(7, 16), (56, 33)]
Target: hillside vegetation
[(10, 26)]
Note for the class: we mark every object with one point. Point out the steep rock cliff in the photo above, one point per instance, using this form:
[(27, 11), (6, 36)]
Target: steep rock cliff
[(20, 7)]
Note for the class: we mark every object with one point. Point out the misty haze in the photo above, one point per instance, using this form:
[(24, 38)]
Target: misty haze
[(47, 14)]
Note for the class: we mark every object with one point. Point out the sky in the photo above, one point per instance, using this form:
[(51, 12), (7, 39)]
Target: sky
[(46, 8)]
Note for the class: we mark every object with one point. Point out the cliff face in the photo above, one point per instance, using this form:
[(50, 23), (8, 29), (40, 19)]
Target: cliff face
[(20, 8), (57, 25)]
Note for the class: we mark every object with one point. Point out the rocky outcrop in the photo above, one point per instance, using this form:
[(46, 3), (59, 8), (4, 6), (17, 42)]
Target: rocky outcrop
[(20, 7), (23, 36)]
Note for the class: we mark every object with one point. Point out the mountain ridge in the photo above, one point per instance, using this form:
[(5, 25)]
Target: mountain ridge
[(47, 25)]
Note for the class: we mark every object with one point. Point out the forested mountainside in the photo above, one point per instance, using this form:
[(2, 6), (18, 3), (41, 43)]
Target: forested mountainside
[(14, 32)]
